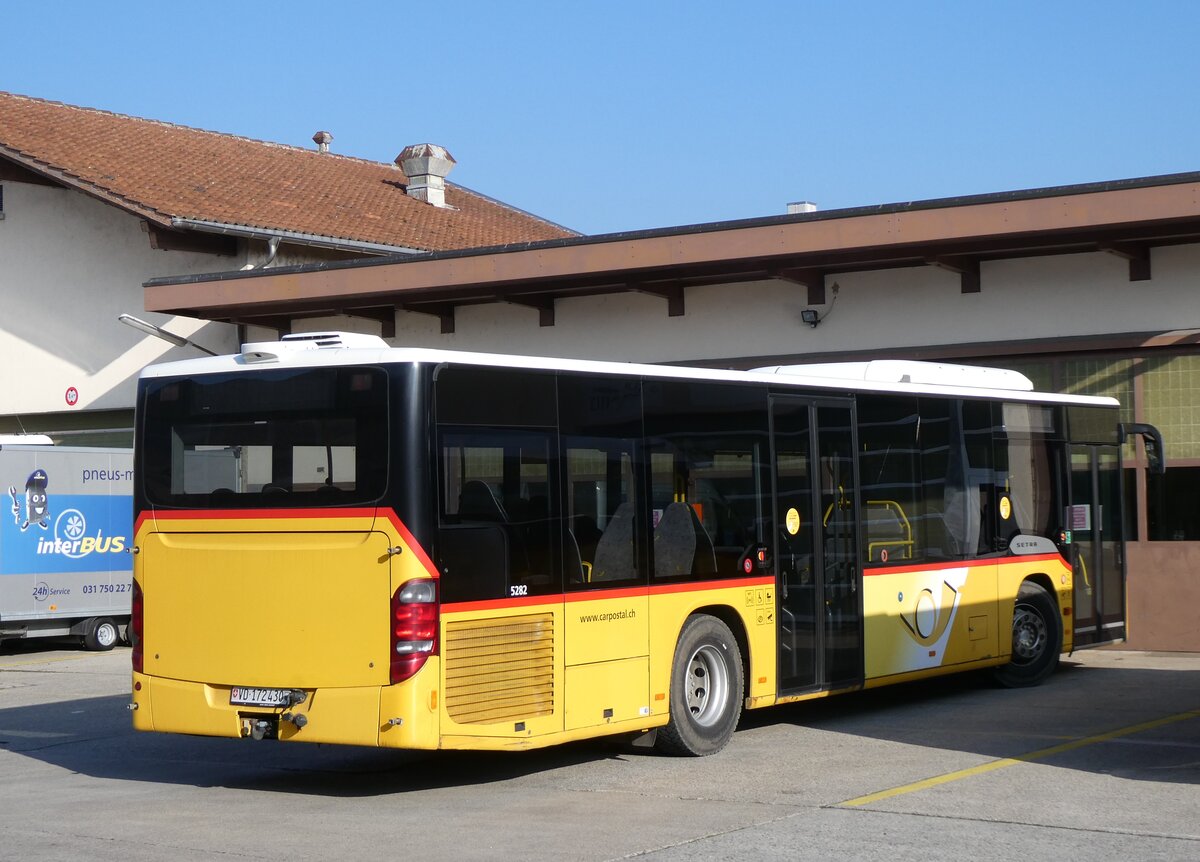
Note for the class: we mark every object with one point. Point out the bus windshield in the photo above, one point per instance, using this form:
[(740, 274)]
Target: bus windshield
[(295, 438)]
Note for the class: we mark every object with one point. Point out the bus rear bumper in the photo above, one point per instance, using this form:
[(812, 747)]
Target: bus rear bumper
[(391, 716)]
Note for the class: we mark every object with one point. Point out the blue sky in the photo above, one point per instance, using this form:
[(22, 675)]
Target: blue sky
[(612, 116)]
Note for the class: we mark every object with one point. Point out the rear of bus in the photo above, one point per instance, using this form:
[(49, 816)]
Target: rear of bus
[(278, 588)]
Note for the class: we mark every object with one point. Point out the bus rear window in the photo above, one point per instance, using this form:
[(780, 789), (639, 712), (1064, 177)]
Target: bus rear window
[(297, 438)]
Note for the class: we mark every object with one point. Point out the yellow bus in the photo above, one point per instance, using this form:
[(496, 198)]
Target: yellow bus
[(338, 541)]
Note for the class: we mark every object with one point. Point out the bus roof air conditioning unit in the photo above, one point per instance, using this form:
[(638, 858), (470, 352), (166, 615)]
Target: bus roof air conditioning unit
[(266, 351)]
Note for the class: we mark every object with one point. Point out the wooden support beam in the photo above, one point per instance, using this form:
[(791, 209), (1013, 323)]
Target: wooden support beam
[(172, 240), (282, 325), (443, 311), (1138, 255), (813, 279), (672, 293), (385, 314), (966, 267), (543, 304), (18, 174)]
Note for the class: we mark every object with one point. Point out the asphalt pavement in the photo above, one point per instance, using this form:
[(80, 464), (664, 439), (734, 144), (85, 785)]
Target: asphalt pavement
[(1102, 762)]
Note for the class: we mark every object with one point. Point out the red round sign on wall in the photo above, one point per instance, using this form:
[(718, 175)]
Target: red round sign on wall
[(72, 396)]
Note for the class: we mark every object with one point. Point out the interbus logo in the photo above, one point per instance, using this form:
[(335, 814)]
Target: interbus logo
[(71, 538)]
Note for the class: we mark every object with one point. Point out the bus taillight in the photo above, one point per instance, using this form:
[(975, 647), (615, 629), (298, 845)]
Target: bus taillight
[(414, 627), (135, 627)]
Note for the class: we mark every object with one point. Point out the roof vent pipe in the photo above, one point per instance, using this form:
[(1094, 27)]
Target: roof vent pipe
[(801, 207), (322, 140), (426, 166)]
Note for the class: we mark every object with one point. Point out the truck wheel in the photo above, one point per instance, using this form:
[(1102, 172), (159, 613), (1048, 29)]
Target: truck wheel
[(706, 689), (100, 634), (1037, 637)]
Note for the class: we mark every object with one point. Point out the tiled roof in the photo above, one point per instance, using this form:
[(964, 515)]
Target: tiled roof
[(162, 171)]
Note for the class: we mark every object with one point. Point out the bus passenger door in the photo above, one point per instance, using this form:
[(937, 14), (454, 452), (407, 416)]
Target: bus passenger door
[(1094, 519), (816, 543)]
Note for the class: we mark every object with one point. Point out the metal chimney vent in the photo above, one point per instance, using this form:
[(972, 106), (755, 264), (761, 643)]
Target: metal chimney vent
[(322, 140), (426, 166)]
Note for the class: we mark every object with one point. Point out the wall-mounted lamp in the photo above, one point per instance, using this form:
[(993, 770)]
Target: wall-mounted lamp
[(158, 332), (812, 317)]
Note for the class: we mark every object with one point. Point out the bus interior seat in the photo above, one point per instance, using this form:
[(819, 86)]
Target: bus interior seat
[(468, 554), (705, 562), (587, 535), (675, 542), (329, 492), (682, 545), (535, 536), (476, 502), (614, 551)]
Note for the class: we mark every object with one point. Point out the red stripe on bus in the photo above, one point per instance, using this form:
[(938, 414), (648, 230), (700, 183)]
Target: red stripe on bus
[(495, 604), (730, 583), (965, 564), (601, 595), (413, 544)]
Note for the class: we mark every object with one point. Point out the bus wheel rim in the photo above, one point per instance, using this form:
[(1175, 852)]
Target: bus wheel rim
[(1029, 634), (707, 685)]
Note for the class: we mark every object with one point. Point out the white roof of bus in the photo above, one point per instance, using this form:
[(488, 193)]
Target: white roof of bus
[(326, 349)]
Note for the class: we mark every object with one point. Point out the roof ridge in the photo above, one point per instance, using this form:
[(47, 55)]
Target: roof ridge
[(159, 171), (167, 124)]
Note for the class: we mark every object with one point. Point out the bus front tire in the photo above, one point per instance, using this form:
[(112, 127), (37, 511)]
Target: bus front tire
[(101, 634), (1037, 638), (706, 689)]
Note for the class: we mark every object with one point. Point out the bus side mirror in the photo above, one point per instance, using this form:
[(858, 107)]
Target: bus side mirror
[(1152, 442)]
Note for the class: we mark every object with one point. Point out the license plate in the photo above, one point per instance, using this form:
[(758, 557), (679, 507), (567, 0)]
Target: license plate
[(245, 696)]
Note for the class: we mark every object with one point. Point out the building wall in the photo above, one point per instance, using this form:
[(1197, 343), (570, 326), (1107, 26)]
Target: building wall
[(1163, 595), (68, 266), (1036, 300), (1029, 298)]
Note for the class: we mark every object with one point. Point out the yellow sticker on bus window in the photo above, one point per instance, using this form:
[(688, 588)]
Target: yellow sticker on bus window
[(792, 521), (1005, 508)]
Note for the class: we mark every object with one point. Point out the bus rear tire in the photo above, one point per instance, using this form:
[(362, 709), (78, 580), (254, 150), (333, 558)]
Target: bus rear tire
[(1037, 638), (100, 634), (706, 689)]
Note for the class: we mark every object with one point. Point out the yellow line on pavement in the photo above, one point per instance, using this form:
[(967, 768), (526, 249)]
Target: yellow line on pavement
[(992, 766)]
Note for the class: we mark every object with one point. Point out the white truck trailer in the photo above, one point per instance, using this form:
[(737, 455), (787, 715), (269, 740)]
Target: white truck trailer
[(66, 526)]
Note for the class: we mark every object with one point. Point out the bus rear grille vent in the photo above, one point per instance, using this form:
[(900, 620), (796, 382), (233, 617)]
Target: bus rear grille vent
[(500, 670)]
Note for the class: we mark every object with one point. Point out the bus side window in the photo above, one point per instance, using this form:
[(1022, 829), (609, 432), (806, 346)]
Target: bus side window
[(893, 501), (708, 451), (496, 533), (602, 512), (601, 424)]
